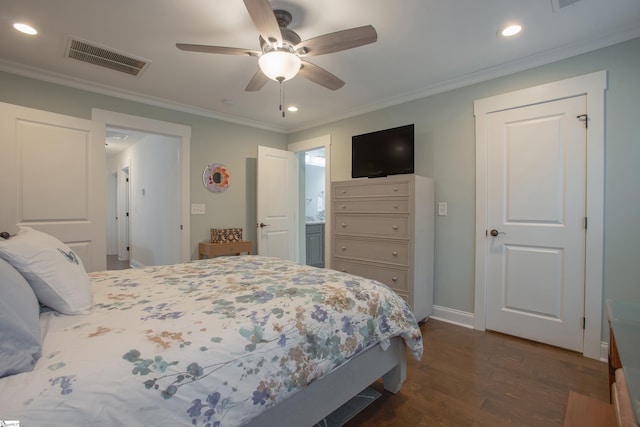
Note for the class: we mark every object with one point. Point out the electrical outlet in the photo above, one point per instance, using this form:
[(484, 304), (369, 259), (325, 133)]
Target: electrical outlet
[(442, 208)]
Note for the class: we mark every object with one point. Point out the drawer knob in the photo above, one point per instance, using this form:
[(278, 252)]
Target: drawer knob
[(344, 191), (344, 207), (394, 253), (395, 206), (395, 189), (344, 270), (344, 225), (344, 248), (394, 279), (395, 227)]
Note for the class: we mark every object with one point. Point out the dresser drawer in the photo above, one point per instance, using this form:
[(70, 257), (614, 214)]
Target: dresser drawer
[(365, 189), (390, 205), (392, 277), (373, 226), (372, 250)]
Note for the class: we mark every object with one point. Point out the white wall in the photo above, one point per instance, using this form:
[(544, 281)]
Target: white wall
[(314, 190), (154, 199)]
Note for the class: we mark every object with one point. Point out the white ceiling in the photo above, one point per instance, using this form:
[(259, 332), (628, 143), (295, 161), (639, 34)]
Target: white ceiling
[(424, 47)]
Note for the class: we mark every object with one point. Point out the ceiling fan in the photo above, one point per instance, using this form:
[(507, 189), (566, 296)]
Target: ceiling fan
[(282, 51)]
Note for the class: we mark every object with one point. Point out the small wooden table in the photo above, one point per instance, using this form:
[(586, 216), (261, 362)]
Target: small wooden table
[(211, 250)]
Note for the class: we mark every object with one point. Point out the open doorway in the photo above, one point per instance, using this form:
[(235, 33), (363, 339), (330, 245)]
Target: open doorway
[(117, 217), (178, 150), (314, 161), (147, 227), (314, 206)]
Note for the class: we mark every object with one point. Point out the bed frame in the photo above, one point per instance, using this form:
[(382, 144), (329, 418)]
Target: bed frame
[(310, 405)]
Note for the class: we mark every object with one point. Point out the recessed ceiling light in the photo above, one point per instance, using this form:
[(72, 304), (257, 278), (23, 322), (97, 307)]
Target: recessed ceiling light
[(510, 30), (293, 109), (24, 28)]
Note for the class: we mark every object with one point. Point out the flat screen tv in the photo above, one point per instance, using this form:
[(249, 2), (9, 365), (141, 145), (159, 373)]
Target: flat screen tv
[(382, 153)]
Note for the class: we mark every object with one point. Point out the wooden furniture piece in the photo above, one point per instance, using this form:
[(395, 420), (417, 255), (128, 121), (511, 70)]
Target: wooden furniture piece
[(315, 244), (383, 229), (585, 411), (211, 250), (624, 360)]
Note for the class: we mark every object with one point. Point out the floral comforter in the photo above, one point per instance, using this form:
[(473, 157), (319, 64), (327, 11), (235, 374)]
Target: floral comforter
[(205, 343)]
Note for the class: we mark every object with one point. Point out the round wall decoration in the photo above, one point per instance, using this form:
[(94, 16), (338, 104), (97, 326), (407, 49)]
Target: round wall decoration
[(216, 178)]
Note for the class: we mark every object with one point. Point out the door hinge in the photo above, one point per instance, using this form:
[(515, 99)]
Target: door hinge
[(127, 179), (586, 222), (180, 226), (584, 118), (584, 323), (127, 248)]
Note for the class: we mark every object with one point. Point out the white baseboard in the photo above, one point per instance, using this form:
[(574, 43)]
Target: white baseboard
[(135, 264), (449, 315), (604, 351), (465, 319)]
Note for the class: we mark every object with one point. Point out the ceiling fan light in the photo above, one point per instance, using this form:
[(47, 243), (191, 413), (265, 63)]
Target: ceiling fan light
[(279, 65), (511, 30), (24, 28)]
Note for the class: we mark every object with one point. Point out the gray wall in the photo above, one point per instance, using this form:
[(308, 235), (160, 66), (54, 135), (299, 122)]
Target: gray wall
[(445, 150), (212, 141)]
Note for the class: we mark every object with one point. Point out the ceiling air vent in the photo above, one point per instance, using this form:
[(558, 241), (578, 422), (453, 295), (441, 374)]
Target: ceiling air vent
[(556, 5), (105, 57)]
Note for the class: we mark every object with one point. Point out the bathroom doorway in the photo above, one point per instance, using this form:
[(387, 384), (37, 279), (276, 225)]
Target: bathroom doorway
[(314, 207)]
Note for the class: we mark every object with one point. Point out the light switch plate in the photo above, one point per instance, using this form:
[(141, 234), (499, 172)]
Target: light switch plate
[(442, 208), (197, 209)]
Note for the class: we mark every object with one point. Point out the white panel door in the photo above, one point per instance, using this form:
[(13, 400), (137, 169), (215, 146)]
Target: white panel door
[(53, 179), (536, 216), (277, 200)]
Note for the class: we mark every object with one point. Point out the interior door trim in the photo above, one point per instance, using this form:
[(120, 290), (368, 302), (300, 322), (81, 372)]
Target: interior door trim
[(143, 124), (323, 141), (592, 85)]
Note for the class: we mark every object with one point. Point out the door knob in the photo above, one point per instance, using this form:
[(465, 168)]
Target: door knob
[(262, 224), (495, 232)]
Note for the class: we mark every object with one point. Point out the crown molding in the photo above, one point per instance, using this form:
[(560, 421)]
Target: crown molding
[(502, 70), (63, 80), (531, 61)]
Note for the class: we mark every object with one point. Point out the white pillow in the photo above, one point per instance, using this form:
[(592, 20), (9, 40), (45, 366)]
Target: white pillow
[(19, 317), (54, 271)]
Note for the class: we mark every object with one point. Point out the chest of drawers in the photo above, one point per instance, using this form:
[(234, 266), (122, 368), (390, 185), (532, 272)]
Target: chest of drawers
[(383, 230)]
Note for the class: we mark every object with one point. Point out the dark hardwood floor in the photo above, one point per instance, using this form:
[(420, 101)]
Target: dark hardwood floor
[(472, 378), (114, 264)]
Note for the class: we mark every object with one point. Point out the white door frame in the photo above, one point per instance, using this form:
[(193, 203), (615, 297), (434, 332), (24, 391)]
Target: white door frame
[(111, 118), (593, 86), (323, 141), (124, 202)]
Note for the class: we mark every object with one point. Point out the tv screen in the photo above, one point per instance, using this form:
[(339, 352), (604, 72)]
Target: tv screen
[(382, 153)]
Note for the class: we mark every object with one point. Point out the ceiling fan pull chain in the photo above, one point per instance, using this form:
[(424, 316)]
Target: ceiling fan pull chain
[(282, 97)]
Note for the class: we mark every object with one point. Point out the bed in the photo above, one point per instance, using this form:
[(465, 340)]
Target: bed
[(229, 341)]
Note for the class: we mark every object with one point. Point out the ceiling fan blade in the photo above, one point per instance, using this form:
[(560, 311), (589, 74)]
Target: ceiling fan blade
[(335, 42), (320, 76), (257, 81), (264, 20), (216, 49)]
